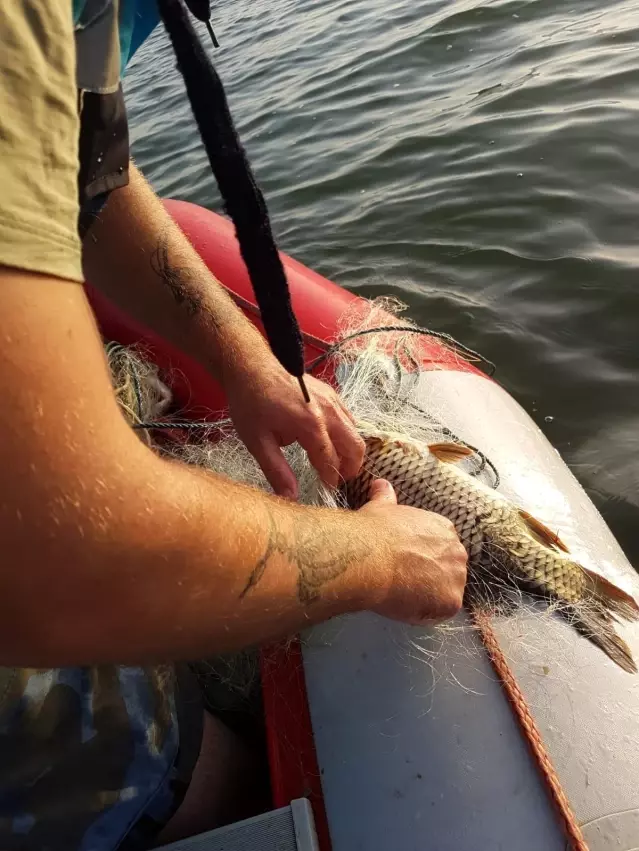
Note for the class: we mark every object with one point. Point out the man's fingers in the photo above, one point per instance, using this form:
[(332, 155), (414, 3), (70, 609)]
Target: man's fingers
[(275, 467), (349, 445), (330, 400), (382, 491), (340, 425), (334, 446), (322, 455), (345, 411)]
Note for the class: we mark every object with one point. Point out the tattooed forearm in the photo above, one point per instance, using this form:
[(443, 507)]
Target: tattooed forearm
[(317, 555), (320, 558), (274, 545), (179, 279)]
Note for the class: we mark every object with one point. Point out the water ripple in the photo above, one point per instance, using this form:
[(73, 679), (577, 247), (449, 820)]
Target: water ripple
[(477, 159)]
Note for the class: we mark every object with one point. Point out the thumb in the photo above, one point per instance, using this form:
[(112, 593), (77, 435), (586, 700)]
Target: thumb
[(275, 467), (382, 492)]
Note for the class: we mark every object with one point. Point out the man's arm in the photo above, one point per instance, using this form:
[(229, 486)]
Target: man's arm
[(139, 258), (111, 553)]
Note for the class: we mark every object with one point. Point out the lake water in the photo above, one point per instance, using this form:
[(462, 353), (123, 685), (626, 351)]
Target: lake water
[(479, 160)]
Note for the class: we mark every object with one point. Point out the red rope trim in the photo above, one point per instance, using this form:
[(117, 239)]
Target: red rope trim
[(531, 732)]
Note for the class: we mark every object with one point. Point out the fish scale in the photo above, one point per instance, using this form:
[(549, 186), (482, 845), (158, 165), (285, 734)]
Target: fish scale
[(499, 537)]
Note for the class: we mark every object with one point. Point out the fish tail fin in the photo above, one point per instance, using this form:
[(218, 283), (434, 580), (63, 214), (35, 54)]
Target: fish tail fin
[(602, 605), (595, 623), (615, 602)]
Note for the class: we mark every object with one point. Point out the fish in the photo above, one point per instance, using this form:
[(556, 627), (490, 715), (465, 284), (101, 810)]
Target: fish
[(502, 540)]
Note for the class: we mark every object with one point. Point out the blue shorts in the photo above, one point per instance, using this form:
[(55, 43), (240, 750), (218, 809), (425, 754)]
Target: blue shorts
[(94, 759)]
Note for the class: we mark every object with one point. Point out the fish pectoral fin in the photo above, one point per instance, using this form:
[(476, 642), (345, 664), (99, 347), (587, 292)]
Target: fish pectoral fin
[(614, 599), (542, 533), (450, 453)]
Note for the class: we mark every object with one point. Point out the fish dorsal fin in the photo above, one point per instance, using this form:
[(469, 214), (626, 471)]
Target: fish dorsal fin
[(542, 533), (450, 453)]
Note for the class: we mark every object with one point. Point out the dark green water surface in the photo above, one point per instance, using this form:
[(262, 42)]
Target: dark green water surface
[(480, 160)]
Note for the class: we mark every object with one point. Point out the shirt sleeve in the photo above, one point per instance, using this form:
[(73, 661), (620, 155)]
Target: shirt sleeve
[(39, 133)]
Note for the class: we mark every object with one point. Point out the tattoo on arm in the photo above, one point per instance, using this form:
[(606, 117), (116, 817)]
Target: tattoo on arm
[(179, 279), (313, 552), (273, 545)]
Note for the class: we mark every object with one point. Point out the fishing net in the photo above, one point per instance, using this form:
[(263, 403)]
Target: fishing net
[(376, 364)]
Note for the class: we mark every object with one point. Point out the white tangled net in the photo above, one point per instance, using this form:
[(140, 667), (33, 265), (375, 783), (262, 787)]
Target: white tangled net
[(377, 374)]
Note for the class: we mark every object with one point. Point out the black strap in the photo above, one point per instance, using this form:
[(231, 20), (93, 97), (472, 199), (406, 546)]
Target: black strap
[(201, 9), (242, 197)]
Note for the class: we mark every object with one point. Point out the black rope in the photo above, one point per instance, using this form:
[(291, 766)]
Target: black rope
[(447, 432), (242, 197), (469, 353), (185, 425)]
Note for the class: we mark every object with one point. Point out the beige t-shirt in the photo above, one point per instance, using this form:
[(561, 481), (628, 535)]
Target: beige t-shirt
[(39, 131)]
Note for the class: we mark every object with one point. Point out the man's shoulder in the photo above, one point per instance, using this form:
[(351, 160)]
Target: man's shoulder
[(39, 130)]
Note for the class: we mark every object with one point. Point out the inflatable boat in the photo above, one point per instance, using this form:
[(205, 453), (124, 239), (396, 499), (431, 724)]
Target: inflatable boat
[(381, 744)]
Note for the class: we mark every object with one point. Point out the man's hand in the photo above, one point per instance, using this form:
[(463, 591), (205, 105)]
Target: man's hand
[(269, 412), (156, 276), (421, 556)]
